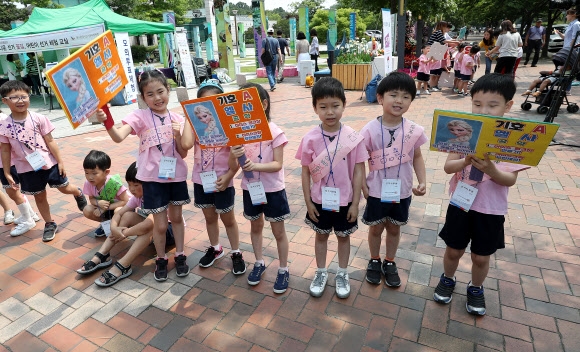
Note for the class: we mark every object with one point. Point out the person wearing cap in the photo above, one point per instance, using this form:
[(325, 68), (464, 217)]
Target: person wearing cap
[(535, 40), (274, 48)]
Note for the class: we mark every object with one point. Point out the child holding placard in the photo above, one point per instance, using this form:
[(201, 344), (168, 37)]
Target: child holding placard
[(161, 167), (477, 208), (213, 191), (333, 196), (265, 194)]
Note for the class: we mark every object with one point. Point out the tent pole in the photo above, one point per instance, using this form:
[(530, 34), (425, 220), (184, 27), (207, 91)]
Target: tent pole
[(40, 77)]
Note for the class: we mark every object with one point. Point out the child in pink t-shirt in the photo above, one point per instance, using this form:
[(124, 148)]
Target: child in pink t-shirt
[(265, 161), (457, 66), (424, 71), (26, 138), (467, 64), (128, 220), (215, 196), (160, 166), (331, 181)]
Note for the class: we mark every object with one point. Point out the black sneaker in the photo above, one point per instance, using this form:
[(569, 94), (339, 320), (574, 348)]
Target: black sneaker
[(239, 265), (81, 201), (374, 271), (392, 278), (211, 255), (444, 290), (99, 232), (49, 231), (475, 300), (181, 267), (160, 273)]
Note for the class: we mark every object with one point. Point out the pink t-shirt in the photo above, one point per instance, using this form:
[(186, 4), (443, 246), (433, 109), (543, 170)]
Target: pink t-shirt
[(458, 60), (92, 191), (25, 137), (213, 159), (311, 146), (372, 134), (134, 202), (2, 118), (491, 197), (467, 70), (272, 181), (151, 130), (435, 65), (424, 64)]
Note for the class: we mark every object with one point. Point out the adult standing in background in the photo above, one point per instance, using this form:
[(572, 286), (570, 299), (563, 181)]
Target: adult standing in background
[(571, 30), (284, 48), (302, 49), (507, 45), (274, 47), (314, 48), (32, 70), (486, 44), (439, 36), (12, 70), (535, 40)]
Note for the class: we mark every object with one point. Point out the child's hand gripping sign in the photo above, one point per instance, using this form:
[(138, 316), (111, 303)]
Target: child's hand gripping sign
[(88, 79)]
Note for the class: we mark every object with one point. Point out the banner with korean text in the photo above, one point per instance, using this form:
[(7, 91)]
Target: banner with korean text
[(185, 58), (124, 47), (387, 42)]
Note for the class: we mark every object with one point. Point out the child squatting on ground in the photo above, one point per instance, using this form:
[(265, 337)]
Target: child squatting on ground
[(482, 222), (27, 140), (265, 194), (333, 196), (389, 185)]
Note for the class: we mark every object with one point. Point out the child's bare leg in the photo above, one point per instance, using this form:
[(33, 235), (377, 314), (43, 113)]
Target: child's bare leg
[(15, 195), (88, 212), (159, 229), (419, 85), (343, 251), (256, 229), (211, 223), (451, 261), (4, 202), (43, 206), (432, 81), (479, 268), (374, 238), (176, 218), (392, 239), (70, 189), (279, 232), (231, 225), (320, 248)]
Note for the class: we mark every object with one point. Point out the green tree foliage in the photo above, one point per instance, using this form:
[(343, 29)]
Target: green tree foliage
[(243, 8), (313, 6), (320, 23), (10, 13), (152, 10)]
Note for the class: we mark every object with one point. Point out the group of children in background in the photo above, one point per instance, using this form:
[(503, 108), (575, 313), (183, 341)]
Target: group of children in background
[(332, 156)]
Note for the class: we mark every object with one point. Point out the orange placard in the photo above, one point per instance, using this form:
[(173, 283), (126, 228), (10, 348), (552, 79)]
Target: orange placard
[(88, 79), (228, 119)]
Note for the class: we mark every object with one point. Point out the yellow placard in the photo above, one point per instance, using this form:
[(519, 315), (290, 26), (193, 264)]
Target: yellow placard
[(503, 139), (88, 79)]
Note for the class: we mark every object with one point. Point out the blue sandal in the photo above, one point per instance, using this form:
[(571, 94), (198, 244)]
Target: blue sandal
[(110, 279)]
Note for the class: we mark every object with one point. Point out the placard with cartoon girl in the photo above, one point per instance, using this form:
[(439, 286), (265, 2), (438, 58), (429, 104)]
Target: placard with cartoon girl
[(457, 135), (206, 124)]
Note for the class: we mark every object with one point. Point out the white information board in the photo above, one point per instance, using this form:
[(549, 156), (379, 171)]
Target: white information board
[(185, 58)]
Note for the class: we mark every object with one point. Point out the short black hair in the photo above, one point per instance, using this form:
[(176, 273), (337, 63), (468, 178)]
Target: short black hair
[(300, 36), (474, 49), (279, 32), (397, 81), (97, 159), (327, 87), (495, 83), (131, 174), (313, 32), (264, 95), (13, 86)]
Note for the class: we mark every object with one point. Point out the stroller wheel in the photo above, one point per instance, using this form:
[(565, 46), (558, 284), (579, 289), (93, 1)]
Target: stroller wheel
[(526, 106), (573, 108), (542, 109)]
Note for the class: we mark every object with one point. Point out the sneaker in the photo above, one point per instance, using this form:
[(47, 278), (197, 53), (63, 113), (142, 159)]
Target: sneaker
[(256, 274), (342, 285), (465, 94), (181, 267), (418, 94), (475, 300), (99, 232), (273, 89), (160, 273), (211, 255), (319, 283), (8, 217), (459, 92), (392, 278), (444, 290), (49, 231), (238, 263), (427, 92), (19, 220), (435, 89), (374, 271), (23, 228), (81, 201), (281, 283)]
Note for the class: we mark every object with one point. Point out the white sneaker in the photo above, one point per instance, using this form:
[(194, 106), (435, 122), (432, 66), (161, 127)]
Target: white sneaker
[(8, 217), (319, 283), (19, 220), (23, 228), (427, 92), (418, 94), (342, 285)]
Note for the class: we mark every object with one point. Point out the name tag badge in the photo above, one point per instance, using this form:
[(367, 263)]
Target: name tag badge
[(208, 180), (331, 199), (463, 196), (167, 168), (106, 225), (391, 191), (257, 193), (36, 160)]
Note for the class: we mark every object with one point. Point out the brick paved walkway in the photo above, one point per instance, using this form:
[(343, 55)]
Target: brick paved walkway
[(533, 288)]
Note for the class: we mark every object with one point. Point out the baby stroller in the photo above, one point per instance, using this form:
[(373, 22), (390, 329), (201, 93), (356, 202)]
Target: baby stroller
[(544, 99)]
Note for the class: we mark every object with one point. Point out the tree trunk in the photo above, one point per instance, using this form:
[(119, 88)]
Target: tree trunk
[(552, 15), (419, 37)]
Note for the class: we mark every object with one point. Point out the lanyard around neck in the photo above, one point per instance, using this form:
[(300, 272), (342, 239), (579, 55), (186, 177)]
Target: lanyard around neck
[(23, 127), (402, 144), (157, 131), (331, 160)]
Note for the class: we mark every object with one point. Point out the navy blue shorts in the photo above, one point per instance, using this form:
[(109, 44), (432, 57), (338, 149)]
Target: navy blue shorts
[(34, 182), (377, 212), (485, 231), (157, 196), (14, 175), (457, 74), (465, 77), (329, 220), (277, 208), (436, 72), (422, 77), (223, 201)]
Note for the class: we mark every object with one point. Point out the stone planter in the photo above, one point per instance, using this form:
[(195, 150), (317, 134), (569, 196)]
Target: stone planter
[(352, 76)]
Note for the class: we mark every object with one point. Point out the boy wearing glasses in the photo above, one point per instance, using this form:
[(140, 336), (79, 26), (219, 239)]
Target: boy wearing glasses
[(26, 136)]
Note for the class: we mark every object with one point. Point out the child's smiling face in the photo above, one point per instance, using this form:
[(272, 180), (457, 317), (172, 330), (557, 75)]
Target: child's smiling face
[(458, 131), (74, 82)]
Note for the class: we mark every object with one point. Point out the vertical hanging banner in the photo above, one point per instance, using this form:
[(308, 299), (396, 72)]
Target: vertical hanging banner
[(88, 79), (387, 42), (292, 24), (352, 27), (332, 29), (123, 44), (303, 25), (259, 30), (196, 41), (169, 17), (224, 31), (185, 58), (241, 40)]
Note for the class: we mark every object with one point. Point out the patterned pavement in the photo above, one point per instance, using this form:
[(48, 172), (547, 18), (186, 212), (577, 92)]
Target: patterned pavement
[(533, 288)]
